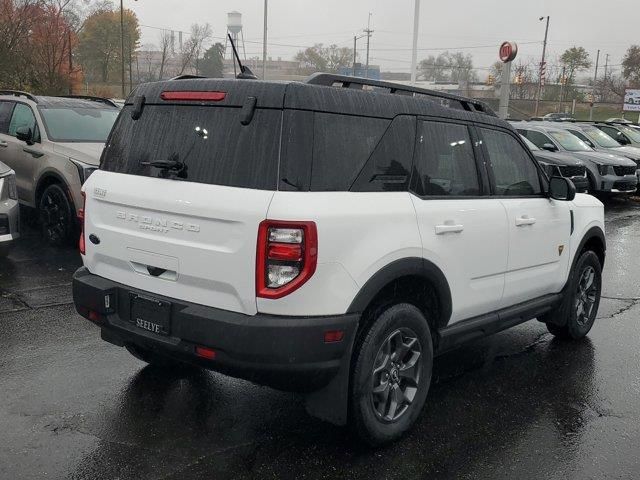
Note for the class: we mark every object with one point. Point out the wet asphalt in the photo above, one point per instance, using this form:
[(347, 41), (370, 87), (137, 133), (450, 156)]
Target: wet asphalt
[(519, 404)]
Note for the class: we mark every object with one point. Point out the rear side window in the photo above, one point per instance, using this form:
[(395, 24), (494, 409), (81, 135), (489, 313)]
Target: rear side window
[(5, 116), (514, 171), (537, 138), (342, 144), (216, 148), (444, 161)]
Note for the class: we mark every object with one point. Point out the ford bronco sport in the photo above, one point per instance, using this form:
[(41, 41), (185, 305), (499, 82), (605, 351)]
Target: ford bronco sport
[(328, 237)]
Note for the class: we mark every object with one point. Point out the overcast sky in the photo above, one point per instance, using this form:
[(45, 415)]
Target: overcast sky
[(471, 26)]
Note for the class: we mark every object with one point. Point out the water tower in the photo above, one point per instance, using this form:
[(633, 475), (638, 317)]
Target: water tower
[(234, 28)]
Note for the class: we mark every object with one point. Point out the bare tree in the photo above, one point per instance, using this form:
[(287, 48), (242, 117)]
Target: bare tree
[(166, 41), (192, 49)]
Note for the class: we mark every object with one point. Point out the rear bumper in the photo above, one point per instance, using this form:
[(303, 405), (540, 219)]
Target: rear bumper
[(288, 353)]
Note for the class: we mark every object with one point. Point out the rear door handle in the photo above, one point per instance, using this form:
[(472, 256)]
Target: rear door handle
[(448, 228), (524, 220)]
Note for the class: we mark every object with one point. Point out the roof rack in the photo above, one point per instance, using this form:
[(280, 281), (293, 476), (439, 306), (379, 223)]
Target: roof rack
[(92, 98), (19, 93), (344, 81)]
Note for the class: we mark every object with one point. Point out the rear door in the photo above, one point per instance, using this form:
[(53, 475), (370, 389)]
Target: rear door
[(463, 230), (189, 233), (539, 228)]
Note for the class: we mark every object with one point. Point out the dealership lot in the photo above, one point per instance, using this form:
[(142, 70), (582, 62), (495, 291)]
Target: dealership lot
[(518, 404)]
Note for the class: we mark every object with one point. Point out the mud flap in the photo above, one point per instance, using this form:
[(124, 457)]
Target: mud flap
[(331, 403)]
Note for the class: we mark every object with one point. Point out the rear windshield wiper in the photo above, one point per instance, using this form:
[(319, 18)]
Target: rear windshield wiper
[(165, 164)]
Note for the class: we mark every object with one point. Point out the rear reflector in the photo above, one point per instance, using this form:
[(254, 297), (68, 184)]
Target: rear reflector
[(191, 96), (333, 336), (94, 316), (81, 214), (206, 353)]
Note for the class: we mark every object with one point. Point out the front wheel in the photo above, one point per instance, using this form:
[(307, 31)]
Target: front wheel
[(57, 216), (582, 300), (391, 374)]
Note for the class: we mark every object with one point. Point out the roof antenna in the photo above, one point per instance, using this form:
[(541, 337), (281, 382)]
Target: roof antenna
[(245, 72)]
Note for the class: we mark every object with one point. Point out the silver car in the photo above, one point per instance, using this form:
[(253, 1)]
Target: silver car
[(607, 173), (9, 210), (53, 144)]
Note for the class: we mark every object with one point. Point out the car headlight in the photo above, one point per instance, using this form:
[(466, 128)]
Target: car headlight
[(8, 188), (549, 169), (84, 170), (606, 170), (13, 187)]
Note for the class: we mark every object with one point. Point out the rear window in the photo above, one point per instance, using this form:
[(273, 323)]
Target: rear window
[(216, 148), (342, 144)]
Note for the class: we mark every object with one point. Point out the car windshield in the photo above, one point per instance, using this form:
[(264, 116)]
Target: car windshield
[(600, 138), (632, 133), (64, 124), (530, 145), (570, 142)]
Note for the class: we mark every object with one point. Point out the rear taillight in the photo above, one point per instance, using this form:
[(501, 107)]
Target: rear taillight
[(81, 217), (286, 257), (193, 96)]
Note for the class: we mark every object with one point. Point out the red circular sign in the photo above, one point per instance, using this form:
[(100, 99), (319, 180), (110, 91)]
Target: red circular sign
[(508, 51)]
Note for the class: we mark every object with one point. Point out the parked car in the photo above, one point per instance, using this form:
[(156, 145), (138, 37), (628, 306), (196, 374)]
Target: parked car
[(602, 142), (560, 164), (607, 173), (619, 120), (557, 117), (328, 239), (53, 144), (623, 134), (9, 210)]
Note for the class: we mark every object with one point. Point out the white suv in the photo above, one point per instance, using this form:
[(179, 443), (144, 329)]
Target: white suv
[(328, 237)]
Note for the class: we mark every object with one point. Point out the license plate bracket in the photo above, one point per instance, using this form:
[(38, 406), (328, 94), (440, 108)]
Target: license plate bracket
[(150, 314)]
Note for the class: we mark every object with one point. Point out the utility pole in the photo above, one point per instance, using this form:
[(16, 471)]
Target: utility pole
[(562, 82), (542, 65), (264, 42), (368, 31), (593, 91), (414, 53), (124, 94), (355, 46), (606, 69)]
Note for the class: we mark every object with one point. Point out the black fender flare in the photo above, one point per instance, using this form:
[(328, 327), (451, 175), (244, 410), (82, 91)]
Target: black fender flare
[(593, 232), (401, 268)]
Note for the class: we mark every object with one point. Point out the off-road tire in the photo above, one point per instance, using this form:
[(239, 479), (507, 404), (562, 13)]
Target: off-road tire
[(569, 322), (365, 412)]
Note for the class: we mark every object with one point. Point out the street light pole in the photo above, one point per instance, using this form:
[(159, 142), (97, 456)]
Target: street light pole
[(414, 53), (544, 51), (264, 42)]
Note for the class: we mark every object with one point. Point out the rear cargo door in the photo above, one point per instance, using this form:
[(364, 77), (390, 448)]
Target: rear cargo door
[(187, 232)]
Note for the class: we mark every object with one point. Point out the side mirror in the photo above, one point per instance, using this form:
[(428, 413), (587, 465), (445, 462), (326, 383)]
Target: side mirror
[(24, 134), (561, 188), (550, 147)]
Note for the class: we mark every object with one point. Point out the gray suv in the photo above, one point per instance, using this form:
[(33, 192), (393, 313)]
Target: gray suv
[(607, 173), (53, 144)]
